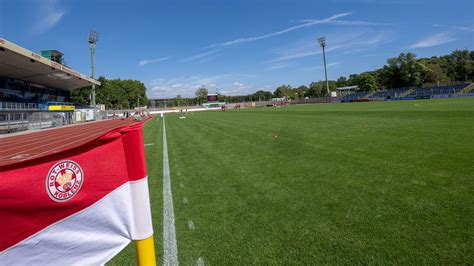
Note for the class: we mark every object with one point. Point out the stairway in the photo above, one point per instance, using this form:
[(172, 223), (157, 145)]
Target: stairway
[(370, 94), (407, 92), (468, 89)]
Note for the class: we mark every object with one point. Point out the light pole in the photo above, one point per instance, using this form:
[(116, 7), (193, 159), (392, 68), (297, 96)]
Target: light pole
[(93, 38), (322, 43)]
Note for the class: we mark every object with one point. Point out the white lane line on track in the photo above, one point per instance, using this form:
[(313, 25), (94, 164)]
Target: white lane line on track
[(19, 156), (94, 135), (170, 248), (97, 131)]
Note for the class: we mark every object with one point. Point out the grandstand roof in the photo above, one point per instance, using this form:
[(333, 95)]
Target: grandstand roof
[(348, 88), (19, 63)]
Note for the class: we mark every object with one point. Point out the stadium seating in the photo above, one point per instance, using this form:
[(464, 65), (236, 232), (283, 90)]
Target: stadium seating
[(400, 93), (388, 93), (354, 96), (440, 90)]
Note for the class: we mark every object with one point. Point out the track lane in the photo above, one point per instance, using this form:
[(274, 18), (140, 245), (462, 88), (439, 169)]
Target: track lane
[(8, 141), (48, 143), (45, 143), (50, 138)]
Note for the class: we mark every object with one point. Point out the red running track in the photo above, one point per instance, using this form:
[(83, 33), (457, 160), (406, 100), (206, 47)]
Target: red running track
[(36, 144)]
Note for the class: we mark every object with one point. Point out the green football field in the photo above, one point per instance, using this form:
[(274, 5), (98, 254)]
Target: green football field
[(378, 182)]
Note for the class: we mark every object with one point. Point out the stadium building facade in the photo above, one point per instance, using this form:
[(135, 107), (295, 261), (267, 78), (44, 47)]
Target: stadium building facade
[(31, 83)]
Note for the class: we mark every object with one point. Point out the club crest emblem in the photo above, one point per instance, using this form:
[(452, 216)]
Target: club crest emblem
[(64, 180)]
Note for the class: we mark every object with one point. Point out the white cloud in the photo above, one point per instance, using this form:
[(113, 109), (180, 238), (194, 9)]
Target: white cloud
[(347, 22), (313, 68), (302, 54), (187, 85), (49, 15), (461, 28), (304, 25), (434, 40), (146, 62), (277, 65), (239, 88), (351, 42), (198, 56), (184, 86)]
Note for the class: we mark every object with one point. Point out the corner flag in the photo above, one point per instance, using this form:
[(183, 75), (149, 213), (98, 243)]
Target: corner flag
[(78, 206)]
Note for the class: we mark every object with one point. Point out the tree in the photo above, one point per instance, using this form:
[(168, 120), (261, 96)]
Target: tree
[(341, 82), (435, 71), (367, 82), (301, 90), (262, 95), (115, 93), (459, 65), (404, 71), (315, 89), (81, 96), (282, 91), (201, 94), (353, 80)]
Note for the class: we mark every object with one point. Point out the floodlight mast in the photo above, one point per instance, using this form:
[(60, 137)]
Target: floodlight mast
[(93, 39), (322, 43)]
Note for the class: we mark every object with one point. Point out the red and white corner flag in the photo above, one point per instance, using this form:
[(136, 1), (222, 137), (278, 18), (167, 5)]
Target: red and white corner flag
[(79, 206)]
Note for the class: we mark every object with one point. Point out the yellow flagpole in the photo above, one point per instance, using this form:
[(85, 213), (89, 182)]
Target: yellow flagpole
[(145, 252)]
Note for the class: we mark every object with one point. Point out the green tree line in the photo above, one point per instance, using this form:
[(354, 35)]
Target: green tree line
[(403, 71), (114, 93)]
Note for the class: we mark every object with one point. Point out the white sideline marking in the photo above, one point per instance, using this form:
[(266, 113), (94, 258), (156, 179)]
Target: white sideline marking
[(170, 248), (191, 225), (185, 200), (200, 262)]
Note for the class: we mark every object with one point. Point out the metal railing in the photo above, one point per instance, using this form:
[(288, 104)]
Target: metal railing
[(14, 121), (17, 106)]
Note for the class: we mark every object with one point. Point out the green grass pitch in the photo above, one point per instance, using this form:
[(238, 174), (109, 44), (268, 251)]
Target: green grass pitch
[(382, 182)]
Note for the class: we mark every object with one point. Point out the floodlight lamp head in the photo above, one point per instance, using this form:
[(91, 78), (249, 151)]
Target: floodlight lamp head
[(322, 41), (93, 37)]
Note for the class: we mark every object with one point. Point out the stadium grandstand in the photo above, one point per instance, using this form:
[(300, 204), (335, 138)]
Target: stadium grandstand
[(443, 91), (35, 89)]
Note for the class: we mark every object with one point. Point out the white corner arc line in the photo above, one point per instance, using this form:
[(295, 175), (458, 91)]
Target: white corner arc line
[(170, 248)]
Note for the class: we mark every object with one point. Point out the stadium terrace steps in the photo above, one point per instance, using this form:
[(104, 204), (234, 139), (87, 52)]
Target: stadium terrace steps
[(370, 94), (438, 90), (382, 94), (407, 92), (469, 88)]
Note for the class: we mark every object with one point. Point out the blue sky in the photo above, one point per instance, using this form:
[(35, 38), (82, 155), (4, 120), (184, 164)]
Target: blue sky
[(236, 47)]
